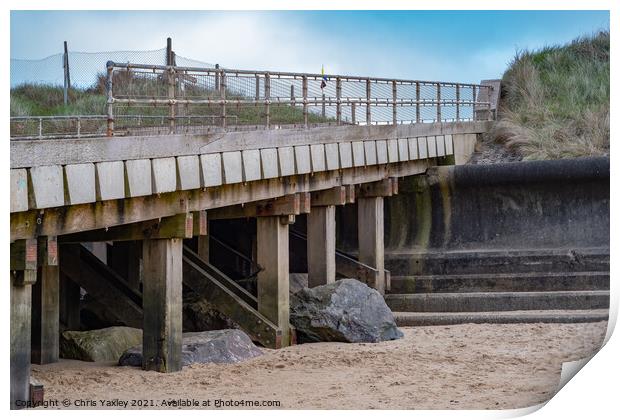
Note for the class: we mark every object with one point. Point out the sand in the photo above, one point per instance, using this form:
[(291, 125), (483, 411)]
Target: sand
[(462, 367)]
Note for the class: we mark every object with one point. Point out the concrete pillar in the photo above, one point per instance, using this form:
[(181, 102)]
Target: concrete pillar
[(69, 303), (273, 283), (21, 302), (162, 304), (46, 315), (370, 236), (321, 245)]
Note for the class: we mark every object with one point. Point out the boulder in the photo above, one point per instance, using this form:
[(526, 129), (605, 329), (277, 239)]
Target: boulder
[(297, 281), (346, 310), (201, 315), (102, 345), (222, 346)]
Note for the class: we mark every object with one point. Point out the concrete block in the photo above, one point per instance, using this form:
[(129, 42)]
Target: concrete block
[(233, 169), (382, 152), (331, 156), (317, 155), (441, 145), (413, 148), (164, 175), (19, 190), (251, 165), (80, 183), (346, 155), (211, 167), (422, 148), (358, 153), (432, 146), (302, 159), (269, 161), (449, 146), (110, 182), (188, 172), (392, 146), (370, 152), (139, 180), (403, 150), (47, 187), (286, 155)]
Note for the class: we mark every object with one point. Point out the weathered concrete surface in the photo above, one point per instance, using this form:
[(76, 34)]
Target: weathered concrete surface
[(102, 345), (347, 311), (19, 190), (80, 183), (221, 346)]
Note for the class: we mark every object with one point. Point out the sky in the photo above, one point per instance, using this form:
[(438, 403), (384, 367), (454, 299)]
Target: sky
[(463, 46)]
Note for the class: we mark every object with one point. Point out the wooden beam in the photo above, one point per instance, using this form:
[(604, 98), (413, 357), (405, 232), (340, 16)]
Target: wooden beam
[(47, 251), (20, 318), (69, 303), (336, 196), (350, 194), (200, 223), (46, 315), (273, 279), (24, 255), (322, 245), (282, 206), (383, 188), (162, 305), (370, 236), (179, 226)]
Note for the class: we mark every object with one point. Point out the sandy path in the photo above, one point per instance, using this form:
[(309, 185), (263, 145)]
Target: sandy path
[(463, 366)]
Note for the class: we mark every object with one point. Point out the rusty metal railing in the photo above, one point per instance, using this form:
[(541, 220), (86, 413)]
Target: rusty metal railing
[(273, 99)]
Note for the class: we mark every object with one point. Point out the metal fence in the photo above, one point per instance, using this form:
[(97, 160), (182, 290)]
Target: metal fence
[(277, 99)]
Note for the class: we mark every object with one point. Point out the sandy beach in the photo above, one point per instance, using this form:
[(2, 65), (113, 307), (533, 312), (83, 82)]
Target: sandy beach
[(443, 367)]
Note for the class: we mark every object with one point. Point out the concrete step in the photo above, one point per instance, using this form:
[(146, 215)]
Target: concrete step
[(497, 301), (502, 282), (497, 261), (411, 319)]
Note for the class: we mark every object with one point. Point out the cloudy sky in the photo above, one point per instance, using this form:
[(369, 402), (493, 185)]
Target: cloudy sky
[(464, 46)]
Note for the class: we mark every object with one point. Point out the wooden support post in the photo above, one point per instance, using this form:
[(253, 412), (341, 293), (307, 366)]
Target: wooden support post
[(162, 304), (69, 303), (46, 305), (23, 275), (203, 235), (338, 98), (394, 98), (273, 279), (417, 102), (135, 266), (370, 233), (321, 245), (304, 89)]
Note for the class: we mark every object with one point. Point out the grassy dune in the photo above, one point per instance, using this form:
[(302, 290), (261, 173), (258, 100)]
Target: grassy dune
[(555, 101)]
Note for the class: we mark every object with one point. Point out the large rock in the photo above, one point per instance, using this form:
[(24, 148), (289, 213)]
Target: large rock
[(102, 345), (201, 315), (346, 310), (223, 346), (297, 281)]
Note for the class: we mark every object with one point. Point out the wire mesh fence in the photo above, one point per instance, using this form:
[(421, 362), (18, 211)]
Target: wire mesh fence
[(136, 92)]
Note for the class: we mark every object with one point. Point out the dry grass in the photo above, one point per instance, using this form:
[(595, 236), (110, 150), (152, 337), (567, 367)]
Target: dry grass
[(555, 102)]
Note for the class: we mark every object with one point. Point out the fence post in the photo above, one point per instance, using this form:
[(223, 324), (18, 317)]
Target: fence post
[(338, 97), (223, 97), (79, 127), (353, 113), (394, 97), (438, 102), (257, 94), (417, 102), (217, 77), (171, 101), (267, 100), (458, 100), (110, 106), (304, 91), (40, 128), (473, 106), (66, 80), (489, 116), (368, 115), (293, 95)]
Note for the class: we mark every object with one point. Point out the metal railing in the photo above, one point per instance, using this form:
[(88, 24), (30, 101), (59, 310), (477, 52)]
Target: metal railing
[(273, 99)]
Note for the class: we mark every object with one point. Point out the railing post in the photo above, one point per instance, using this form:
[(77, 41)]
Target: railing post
[(458, 102), (394, 97), (338, 105), (353, 113), (267, 98), (171, 113), (438, 102), (223, 98), (489, 117), (323, 105), (40, 128), (473, 107), (217, 78), (417, 102), (257, 94), (293, 95), (110, 106), (304, 90), (79, 126), (368, 114)]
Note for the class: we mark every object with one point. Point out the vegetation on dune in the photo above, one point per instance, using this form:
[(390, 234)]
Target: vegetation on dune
[(555, 101)]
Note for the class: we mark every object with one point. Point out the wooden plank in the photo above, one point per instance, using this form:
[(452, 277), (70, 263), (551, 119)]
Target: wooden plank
[(178, 226), (336, 196), (24, 255), (281, 206), (20, 318), (383, 188), (350, 191), (47, 251), (69, 303), (162, 338), (273, 281), (46, 316), (200, 223), (322, 245), (370, 236)]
